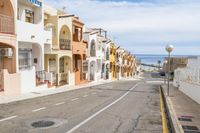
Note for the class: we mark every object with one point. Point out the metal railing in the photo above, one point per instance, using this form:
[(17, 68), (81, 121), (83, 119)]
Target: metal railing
[(65, 44), (63, 78), (6, 24), (41, 77)]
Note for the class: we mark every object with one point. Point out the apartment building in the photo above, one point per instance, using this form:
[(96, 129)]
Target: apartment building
[(58, 52), (79, 50), (96, 52)]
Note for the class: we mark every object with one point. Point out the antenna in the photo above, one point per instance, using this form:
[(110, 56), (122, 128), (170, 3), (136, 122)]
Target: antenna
[(64, 8)]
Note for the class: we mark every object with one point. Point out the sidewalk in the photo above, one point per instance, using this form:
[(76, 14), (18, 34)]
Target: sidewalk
[(184, 112), (46, 92)]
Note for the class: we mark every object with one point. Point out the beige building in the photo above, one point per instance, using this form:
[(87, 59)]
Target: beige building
[(58, 52), (175, 62)]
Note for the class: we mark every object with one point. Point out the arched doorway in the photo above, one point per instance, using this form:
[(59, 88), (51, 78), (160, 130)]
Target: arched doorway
[(107, 53), (92, 70), (93, 48), (65, 38), (6, 17)]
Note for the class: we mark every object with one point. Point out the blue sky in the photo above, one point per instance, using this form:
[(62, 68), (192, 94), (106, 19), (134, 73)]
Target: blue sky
[(142, 26)]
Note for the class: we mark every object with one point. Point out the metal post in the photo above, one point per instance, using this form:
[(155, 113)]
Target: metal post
[(168, 74)]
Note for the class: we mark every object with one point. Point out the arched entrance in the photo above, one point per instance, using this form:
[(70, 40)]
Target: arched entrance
[(93, 48), (6, 17), (64, 70), (65, 38), (92, 70), (107, 70)]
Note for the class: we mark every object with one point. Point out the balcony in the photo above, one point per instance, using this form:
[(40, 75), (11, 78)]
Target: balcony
[(6, 24), (28, 32), (65, 44)]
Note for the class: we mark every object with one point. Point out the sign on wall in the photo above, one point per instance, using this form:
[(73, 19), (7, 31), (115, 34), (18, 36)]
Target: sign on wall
[(36, 2)]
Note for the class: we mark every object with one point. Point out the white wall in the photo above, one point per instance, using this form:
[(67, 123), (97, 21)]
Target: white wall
[(28, 82), (192, 90)]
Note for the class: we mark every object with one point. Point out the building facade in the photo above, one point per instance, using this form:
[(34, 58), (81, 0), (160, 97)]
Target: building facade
[(58, 52), (95, 54)]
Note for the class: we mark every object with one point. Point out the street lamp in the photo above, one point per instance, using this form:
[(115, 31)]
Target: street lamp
[(165, 70), (169, 49)]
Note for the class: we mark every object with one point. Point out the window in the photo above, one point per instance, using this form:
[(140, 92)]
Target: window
[(24, 59), (29, 16)]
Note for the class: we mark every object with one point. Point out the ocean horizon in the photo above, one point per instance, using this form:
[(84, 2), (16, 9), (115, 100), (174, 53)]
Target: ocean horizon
[(154, 58)]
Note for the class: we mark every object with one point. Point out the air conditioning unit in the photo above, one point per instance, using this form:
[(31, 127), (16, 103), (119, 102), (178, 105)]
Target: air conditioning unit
[(6, 52)]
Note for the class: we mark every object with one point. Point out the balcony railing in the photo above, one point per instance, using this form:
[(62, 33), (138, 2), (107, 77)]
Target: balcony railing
[(65, 44), (41, 77), (6, 24)]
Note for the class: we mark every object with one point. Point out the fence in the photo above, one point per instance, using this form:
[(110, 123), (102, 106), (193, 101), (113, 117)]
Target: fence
[(6, 24), (41, 77), (65, 44)]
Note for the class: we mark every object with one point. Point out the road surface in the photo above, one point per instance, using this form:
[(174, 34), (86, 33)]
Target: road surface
[(126, 106)]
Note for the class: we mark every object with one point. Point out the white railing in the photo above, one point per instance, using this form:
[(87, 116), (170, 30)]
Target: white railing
[(6, 24)]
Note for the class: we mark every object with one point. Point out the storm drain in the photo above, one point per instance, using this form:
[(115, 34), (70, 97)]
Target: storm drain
[(42, 124), (185, 119), (190, 129)]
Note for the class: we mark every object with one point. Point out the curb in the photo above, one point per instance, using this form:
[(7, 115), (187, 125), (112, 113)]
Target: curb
[(172, 122), (163, 115)]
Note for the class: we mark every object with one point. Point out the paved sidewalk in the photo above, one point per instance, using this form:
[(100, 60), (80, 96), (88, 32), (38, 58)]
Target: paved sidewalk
[(183, 110), (44, 92)]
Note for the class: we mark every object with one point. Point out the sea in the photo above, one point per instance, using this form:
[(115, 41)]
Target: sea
[(153, 59)]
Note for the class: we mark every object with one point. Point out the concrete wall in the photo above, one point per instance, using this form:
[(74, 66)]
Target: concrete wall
[(28, 84), (192, 90)]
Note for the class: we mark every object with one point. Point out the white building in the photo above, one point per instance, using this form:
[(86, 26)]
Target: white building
[(96, 53), (30, 43), (188, 79)]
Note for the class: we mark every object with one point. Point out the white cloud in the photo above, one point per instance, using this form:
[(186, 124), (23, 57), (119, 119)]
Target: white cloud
[(141, 23)]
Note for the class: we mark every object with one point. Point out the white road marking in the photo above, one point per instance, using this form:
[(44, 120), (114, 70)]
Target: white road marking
[(35, 110), (60, 103), (74, 99), (85, 96), (100, 111), (8, 118), (94, 93)]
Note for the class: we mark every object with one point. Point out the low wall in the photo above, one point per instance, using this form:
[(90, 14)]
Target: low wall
[(28, 81), (191, 90), (11, 83)]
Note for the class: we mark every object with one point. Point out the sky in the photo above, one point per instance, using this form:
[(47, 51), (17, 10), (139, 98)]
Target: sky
[(142, 26)]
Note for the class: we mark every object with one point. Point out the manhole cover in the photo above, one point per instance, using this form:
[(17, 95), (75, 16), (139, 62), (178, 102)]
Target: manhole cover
[(42, 123)]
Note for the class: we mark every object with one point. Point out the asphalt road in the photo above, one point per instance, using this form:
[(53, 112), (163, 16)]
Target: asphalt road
[(120, 107)]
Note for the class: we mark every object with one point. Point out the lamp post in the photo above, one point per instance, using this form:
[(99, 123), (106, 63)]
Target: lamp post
[(165, 70), (169, 49)]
